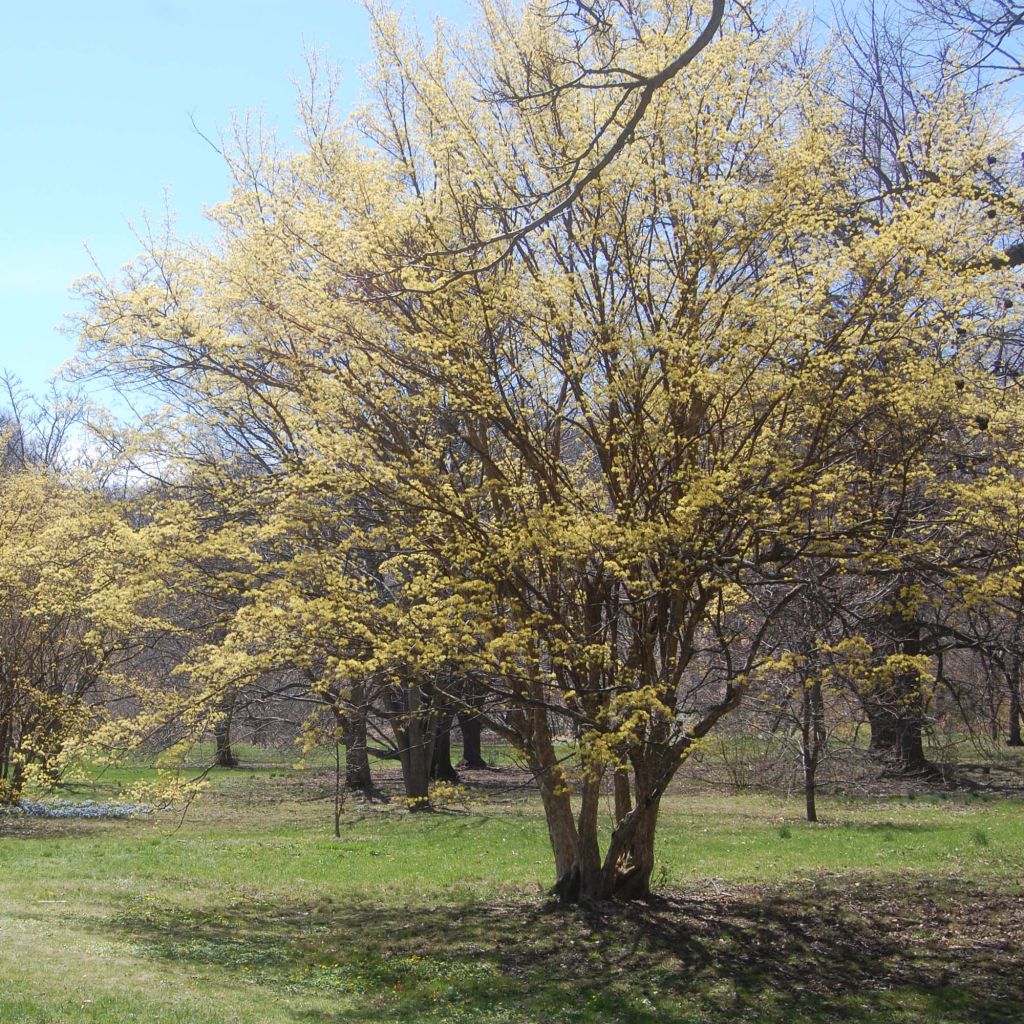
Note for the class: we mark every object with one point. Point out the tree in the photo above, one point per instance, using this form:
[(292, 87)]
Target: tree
[(64, 632), (989, 32), (592, 473)]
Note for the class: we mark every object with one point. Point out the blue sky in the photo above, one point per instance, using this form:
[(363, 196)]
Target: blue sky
[(95, 105)]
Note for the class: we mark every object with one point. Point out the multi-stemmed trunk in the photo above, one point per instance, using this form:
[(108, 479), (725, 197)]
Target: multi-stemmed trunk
[(812, 742), (413, 723), (583, 874), (624, 871)]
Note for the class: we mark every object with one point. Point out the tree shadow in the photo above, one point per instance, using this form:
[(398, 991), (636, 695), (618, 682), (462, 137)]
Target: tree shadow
[(831, 949), (886, 826), (25, 826)]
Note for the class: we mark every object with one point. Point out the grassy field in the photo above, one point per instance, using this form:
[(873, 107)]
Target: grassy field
[(248, 910)]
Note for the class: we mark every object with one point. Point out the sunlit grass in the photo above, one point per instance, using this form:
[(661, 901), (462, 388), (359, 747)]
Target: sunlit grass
[(246, 909)]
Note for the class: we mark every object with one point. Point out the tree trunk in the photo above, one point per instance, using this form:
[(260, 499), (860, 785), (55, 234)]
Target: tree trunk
[(629, 860), (225, 756), (555, 796), (357, 757), (897, 739), (896, 711), (442, 768), (259, 731), (1014, 738), (588, 842), (413, 725), (812, 740), (633, 879), (472, 729), (623, 797), (6, 793), (17, 781)]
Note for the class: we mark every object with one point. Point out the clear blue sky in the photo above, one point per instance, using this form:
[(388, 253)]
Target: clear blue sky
[(95, 101)]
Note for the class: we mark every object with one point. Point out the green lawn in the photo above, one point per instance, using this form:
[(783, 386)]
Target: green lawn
[(248, 910)]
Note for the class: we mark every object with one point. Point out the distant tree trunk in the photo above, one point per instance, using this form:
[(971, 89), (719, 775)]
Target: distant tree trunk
[(442, 768), (471, 727), (1013, 677), (339, 792), (6, 791), (897, 738), (896, 711), (357, 757), (1013, 682), (413, 725), (17, 781), (225, 756), (259, 731), (812, 742)]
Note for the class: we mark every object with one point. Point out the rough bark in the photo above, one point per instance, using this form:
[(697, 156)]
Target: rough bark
[(897, 739), (555, 796), (357, 756), (632, 878), (225, 756), (413, 726), (629, 859), (471, 727), (623, 796), (895, 711), (442, 768)]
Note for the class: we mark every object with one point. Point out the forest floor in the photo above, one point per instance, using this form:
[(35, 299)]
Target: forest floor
[(246, 910)]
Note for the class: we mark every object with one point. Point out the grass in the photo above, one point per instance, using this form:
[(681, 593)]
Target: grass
[(247, 910)]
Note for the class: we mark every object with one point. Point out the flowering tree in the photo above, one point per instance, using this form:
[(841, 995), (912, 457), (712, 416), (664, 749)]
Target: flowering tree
[(595, 471)]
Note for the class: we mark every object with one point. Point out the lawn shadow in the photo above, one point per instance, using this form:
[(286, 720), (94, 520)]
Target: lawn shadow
[(830, 949), (887, 826), (27, 826)]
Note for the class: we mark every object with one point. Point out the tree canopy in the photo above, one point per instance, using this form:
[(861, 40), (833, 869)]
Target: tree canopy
[(579, 363)]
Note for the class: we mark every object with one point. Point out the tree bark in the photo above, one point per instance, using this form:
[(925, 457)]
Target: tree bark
[(632, 879), (623, 796), (357, 756), (1014, 738), (896, 711), (442, 767), (555, 796), (413, 725), (812, 740), (225, 756), (17, 781), (471, 727), (897, 739)]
